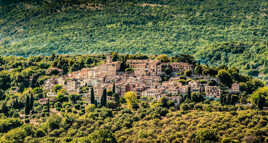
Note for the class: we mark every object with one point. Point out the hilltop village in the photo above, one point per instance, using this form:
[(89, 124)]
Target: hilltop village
[(143, 76)]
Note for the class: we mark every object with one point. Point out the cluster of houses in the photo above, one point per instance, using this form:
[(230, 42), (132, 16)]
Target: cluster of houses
[(145, 80)]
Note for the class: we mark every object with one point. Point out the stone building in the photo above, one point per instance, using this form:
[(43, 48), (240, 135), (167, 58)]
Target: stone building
[(145, 67), (196, 86), (235, 88), (213, 91), (181, 67), (184, 89)]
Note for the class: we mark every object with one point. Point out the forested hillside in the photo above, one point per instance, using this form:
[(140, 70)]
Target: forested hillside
[(233, 32), (29, 114)]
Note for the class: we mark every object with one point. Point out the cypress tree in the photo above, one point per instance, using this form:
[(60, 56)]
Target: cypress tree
[(117, 98), (4, 108), (189, 93), (16, 103), (31, 102), (48, 107), (229, 100), (104, 97), (27, 106), (222, 99), (114, 87), (92, 98)]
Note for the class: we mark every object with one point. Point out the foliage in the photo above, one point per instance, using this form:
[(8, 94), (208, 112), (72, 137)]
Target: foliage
[(131, 99), (260, 97), (53, 122), (104, 97), (9, 123), (57, 88), (206, 136), (69, 118), (214, 31), (225, 77), (163, 58), (102, 136)]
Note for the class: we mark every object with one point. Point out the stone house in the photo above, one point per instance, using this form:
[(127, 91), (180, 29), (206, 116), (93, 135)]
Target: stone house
[(72, 85), (172, 91), (50, 83), (43, 101), (213, 91), (184, 89), (235, 88), (145, 67), (196, 86), (154, 93), (176, 99), (181, 67)]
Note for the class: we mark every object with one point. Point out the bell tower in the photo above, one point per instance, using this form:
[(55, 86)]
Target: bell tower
[(109, 59)]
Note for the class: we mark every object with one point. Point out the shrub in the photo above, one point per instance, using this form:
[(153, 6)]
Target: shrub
[(10, 123), (40, 133), (15, 135), (53, 122), (131, 99), (206, 136), (102, 136), (56, 132)]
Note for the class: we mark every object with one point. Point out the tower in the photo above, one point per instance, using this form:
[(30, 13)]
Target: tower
[(109, 59)]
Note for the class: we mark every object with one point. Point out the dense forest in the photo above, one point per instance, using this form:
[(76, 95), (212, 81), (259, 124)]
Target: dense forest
[(231, 32), (25, 117)]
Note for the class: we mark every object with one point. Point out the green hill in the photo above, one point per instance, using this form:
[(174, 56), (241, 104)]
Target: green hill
[(232, 32)]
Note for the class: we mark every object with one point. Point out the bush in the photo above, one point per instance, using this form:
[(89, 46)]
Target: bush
[(15, 136), (10, 123), (206, 136), (102, 136), (53, 122), (40, 133), (56, 132), (229, 140)]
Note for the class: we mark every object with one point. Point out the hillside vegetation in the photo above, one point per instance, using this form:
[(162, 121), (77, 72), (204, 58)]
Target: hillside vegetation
[(214, 31), (28, 114)]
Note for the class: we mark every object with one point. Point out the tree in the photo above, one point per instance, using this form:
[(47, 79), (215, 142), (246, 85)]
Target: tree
[(74, 98), (198, 69), (250, 86), (4, 108), (196, 97), (212, 83), (206, 136), (2, 94), (57, 88), (53, 122), (225, 77), (222, 99), (104, 97), (4, 80), (27, 106), (164, 102), (189, 92), (102, 136), (116, 98), (113, 88), (31, 102), (163, 58), (92, 98), (38, 92), (188, 73), (84, 89), (48, 106), (131, 99), (259, 97), (61, 97), (129, 70)]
